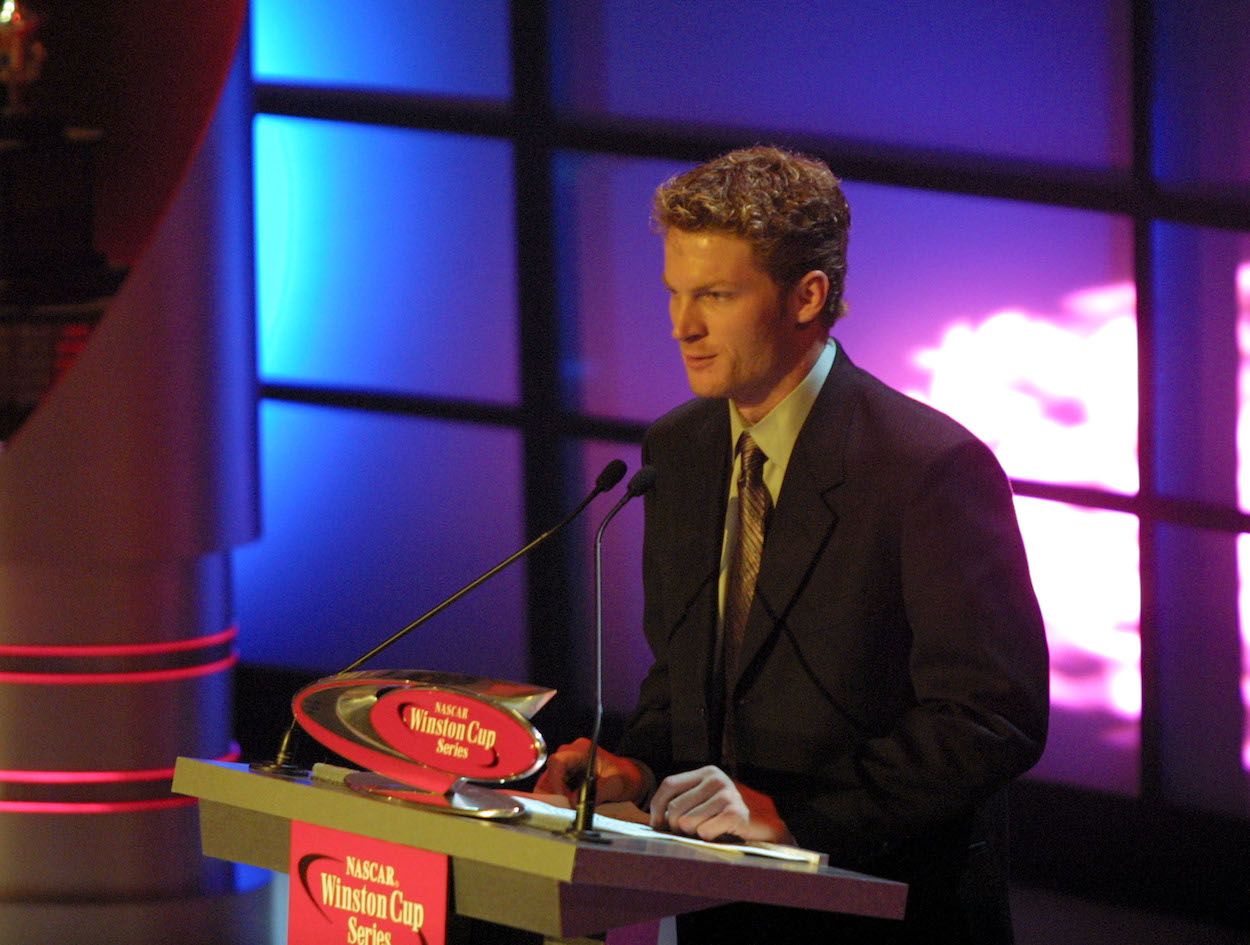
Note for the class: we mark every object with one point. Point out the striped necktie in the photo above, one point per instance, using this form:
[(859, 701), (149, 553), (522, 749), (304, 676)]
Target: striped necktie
[(754, 504)]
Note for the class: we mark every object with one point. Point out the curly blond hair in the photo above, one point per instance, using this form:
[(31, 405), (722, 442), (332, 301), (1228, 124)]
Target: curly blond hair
[(790, 207)]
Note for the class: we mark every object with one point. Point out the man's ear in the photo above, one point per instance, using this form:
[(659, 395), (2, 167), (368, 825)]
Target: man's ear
[(807, 298)]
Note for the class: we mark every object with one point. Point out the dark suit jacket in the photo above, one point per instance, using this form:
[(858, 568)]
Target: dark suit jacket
[(894, 670)]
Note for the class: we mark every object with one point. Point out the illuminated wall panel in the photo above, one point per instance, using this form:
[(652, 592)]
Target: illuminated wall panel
[(369, 521), (454, 47), (1044, 80), (1243, 608), (1084, 564), (1198, 643), (626, 656), (385, 259), (1242, 282), (1018, 320), (623, 361), (1243, 487)]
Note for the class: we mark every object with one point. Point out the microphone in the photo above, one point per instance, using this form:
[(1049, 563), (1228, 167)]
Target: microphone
[(583, 822), (612, 473)]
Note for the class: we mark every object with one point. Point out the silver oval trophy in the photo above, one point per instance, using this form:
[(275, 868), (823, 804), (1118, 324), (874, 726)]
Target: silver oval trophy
[(437, 739)]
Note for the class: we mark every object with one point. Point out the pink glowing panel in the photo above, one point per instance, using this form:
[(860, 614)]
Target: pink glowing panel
[(1055, 394), (1243, 564), (1084, 564), (1048, 393), (1243, 491), (1016, 319)]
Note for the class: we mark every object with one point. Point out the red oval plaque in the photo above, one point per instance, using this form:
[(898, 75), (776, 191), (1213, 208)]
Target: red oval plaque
[(457, 732), (428, 730)]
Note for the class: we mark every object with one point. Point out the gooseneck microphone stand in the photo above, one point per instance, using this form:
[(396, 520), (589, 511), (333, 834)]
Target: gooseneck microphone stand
[(583, 821), (282, 764)]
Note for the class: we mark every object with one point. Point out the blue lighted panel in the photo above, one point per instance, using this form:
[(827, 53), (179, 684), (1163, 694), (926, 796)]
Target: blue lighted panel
[(1041, 80), (453, 47), (369, 521), (385, 259)]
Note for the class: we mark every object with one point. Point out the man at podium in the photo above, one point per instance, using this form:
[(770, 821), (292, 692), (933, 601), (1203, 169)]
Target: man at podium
[(848, 651)]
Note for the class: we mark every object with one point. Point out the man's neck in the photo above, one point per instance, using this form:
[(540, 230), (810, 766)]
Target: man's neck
[(753, 413)]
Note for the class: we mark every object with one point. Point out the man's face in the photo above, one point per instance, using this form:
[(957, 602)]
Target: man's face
[(731, 320)]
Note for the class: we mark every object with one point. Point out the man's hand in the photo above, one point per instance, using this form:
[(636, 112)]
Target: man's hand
[(619, 779), (707, 803)]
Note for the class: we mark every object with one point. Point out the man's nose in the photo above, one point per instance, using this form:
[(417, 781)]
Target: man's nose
[(686, 323)]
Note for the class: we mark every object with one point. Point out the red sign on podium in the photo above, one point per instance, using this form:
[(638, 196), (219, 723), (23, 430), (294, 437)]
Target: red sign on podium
[(427, 730), (352, 890)]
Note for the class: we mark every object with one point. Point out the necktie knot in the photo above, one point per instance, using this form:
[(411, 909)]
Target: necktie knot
[(753, 460)]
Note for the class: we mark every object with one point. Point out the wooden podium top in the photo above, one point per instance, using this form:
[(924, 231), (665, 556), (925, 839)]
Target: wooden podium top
[(513, 874)]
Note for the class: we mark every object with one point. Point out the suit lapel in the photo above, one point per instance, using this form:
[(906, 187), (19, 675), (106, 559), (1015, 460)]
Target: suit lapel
[(806, 515), (699, 493)]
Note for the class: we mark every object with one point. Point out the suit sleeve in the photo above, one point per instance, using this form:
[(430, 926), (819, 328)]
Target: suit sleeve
[(977, 668)]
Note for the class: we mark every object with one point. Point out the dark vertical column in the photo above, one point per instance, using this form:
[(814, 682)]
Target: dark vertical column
[(549, 461), (1143, 274), (1193, 716)]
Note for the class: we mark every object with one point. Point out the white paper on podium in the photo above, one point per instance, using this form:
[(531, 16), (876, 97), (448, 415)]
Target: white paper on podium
[(539, 813)]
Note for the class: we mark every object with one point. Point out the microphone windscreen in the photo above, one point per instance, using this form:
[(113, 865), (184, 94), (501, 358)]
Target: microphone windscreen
[(612, 473), (643, 480)]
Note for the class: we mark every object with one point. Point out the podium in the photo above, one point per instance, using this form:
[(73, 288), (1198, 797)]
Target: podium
[(514, 875)]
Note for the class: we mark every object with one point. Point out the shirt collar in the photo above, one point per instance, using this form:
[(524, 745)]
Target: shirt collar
[(777, 431)]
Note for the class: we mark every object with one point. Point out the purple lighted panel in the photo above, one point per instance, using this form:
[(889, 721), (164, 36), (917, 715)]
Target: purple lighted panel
[(1046, 80)]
